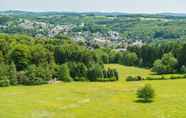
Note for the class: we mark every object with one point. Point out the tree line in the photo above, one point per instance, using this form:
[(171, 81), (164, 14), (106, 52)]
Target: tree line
[(31, 61), (163, 57)]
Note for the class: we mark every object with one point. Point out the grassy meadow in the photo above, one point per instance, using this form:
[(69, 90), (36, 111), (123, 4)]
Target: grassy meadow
[(95, 99)]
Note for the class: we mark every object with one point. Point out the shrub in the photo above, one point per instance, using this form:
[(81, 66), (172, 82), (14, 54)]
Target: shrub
[(176, 77), (153, 78), (106, 79), (163, 78), (80, 79), (112, 79), (130, 78), (4, 83), (34, 81), (145, 93), (134, 78), (156, 78), (32, 76)]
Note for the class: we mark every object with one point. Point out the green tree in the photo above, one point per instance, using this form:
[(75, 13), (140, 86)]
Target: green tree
[(129, 59), (13, 74), (39, 55), (35, 76), (116, 75), (146, 93), (64, 73), (4, 75), (148, 54), (167, 64), (182, 56), (21, 56)]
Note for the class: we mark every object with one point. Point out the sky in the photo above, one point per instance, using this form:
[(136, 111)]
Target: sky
[(129, 6)]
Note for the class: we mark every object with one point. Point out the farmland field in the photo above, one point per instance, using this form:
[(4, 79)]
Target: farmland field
[(95, 99)]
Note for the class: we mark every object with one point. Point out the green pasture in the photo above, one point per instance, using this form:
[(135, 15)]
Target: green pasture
[(95, 99)]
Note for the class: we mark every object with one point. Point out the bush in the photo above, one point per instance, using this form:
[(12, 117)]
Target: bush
[(176, 77), (134, 78), (106, 79), (30, 77), (166, 78), (80, 79), (4, 83), (157, 78), (152, 78), (34, 81), (163, 78), (146, 93)]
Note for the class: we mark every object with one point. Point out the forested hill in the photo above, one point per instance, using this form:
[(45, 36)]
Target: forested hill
[(114, 27)]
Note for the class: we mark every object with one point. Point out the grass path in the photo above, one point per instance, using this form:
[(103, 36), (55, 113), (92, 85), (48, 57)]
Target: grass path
[(125, 71)]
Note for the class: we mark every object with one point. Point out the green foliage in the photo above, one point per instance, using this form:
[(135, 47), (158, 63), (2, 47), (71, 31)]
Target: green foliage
[(78, 69), (146, 93), (3, 70), (134, 78), (36, 75), (21, 56), (156, 78), (64, 73), (33, 81), (181, 56), (13, 74), (97, 73), (74, 53), (80, 79), (183, 69), (4, 20), (30, 61), (129, 59), (4, 82), (8, 74), (40, 55), (148, 55), (130, 27), (166, 65), (102, 54)]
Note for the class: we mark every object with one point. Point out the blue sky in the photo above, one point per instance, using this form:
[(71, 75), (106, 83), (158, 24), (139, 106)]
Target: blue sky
[(131, 6)]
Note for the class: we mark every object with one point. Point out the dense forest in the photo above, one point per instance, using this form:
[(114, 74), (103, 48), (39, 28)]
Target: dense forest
[(163, 57), (30, 61)]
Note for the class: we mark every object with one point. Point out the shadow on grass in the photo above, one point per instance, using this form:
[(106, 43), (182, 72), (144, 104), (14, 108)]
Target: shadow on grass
[(143, 101)]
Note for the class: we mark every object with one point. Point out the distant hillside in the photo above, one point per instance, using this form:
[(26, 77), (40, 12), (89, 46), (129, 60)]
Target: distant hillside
[(174, 14), (17, 12), (96, 26)]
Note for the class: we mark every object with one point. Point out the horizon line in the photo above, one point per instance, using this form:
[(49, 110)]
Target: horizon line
[(99, 11)]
